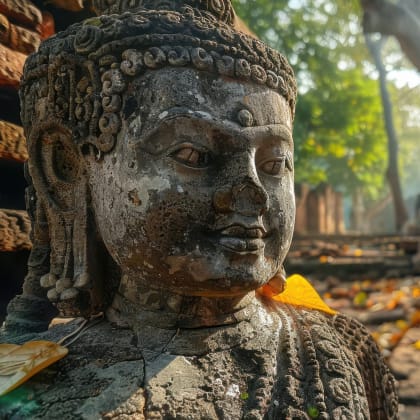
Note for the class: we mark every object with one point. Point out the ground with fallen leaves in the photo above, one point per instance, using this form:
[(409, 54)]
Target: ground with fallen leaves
[(390, 308), (375, 279)]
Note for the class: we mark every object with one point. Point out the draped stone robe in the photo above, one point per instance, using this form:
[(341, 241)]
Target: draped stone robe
[(279, 363)]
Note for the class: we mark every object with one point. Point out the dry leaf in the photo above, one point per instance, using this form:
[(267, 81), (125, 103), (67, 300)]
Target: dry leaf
[(360, 299), (358, 252), (19, 363), (392, 304), (397, 337), (396, 299), (415, 319), (402, 324), (299, 292)]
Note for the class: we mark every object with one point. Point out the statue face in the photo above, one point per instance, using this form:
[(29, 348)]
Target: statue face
[(197, 197)]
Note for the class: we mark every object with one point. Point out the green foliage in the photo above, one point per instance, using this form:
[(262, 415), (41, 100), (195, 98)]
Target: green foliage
[(339, 134), (407, 124)]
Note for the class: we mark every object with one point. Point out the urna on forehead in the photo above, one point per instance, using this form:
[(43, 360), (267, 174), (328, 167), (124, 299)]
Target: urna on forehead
[(174, 91)]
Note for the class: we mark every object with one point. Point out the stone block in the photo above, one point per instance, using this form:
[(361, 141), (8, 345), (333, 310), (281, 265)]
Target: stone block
[(11, 67), (12, 142), (22, 12), (15, 227), (18, 38)]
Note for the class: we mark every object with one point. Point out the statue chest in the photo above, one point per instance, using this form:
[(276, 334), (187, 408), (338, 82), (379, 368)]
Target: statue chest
[(286, 373), (278, 372)]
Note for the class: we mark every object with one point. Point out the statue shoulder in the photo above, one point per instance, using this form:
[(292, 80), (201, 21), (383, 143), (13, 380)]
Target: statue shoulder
[(379, 381), (103, 370), (343, 356)]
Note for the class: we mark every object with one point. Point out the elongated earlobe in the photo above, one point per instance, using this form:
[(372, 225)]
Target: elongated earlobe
[(275, 286), (278, 283), (57, 169)]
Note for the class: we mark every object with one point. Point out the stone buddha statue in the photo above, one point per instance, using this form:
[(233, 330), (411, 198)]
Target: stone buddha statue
[(161, 171)]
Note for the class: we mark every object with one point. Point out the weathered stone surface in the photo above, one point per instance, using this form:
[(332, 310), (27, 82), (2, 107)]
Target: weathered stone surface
[(21, 11), (18, 38), (12, 142), (11, 67), (262, 367), (15, 227), (102, 373)]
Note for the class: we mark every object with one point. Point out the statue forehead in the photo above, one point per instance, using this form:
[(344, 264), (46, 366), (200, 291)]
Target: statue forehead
[(220, 97)]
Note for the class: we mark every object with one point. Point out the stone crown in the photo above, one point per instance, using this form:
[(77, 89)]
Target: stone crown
[(221, 9), (80, 75)]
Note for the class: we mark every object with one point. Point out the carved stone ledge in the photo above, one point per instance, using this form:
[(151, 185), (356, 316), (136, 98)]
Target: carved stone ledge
[(11, 66), (22, 12), (15, 227), (70, 5), (18, 38), (12, 142)]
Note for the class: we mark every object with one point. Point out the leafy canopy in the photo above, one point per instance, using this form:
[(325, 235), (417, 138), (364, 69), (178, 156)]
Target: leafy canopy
[(339, 134)]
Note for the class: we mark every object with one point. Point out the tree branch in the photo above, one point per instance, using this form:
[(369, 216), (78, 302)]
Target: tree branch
[(392, 172), (401, 20)]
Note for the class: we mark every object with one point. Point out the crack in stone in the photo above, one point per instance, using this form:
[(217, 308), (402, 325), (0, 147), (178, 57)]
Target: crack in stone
[(171, 340), (143, 385)]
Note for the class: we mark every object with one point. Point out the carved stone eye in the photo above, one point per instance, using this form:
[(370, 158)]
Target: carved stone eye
[(274, 167), (191, 157)]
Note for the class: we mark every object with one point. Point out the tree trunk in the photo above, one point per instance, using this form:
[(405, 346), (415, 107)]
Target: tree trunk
[(392, 172), (358, 212), (401, 20)]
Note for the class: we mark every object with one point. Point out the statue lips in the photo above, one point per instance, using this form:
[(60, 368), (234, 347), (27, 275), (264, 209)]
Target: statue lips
[(243, 239)]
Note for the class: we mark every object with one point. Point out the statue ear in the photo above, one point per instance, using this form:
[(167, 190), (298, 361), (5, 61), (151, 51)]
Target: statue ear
[(58, 172), (55, 165)]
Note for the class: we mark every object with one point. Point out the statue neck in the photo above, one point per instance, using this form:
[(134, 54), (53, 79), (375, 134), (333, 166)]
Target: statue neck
[(137, 304)]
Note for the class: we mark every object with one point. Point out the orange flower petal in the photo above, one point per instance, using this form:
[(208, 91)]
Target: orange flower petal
[(299, 292)]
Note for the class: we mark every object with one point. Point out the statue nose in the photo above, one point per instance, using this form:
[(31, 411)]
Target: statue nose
[(246, 198)]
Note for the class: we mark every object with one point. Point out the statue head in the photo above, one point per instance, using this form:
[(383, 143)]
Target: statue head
[(160, 152)]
